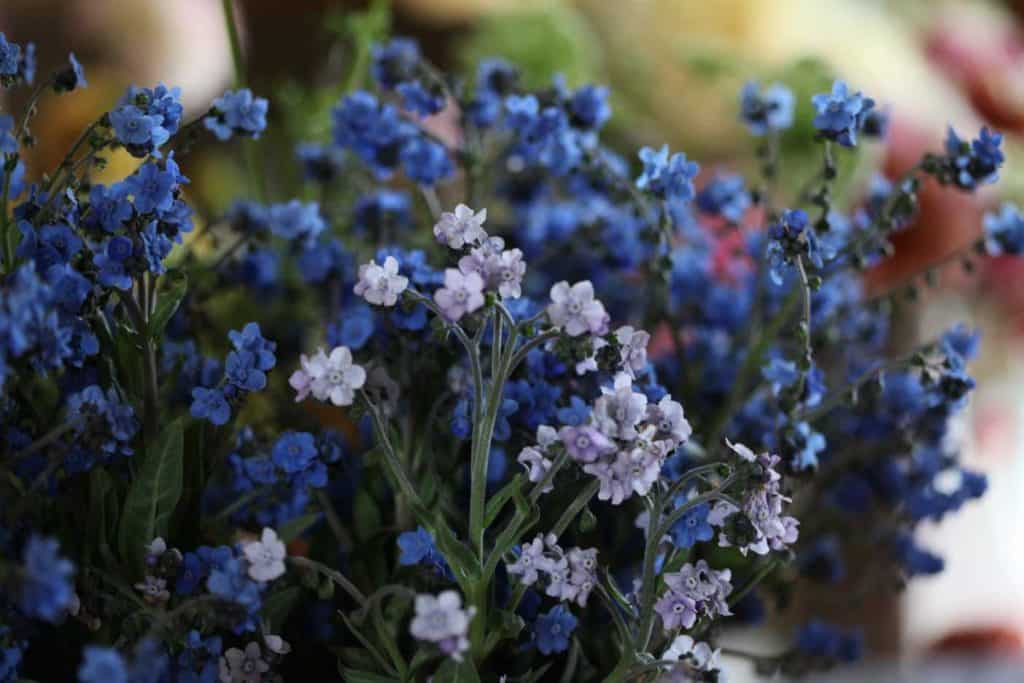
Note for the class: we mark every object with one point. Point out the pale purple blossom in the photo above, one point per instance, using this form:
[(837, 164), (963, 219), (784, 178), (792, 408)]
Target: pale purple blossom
[(694, 591), (632, 349), (333, 377), (694, 661), (154, 590), (442, 620), (381, 284), (277, 644), (237, 666), (667, 415), (461, 228), (585, 443), (763, 506), (505, 272), (477, 259), (619, 409), (462, 293), (576, 310), (566, 576), (535, 458), (265, 557)]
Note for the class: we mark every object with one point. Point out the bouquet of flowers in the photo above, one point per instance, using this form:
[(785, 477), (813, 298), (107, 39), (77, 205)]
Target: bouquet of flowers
[(500, 404)]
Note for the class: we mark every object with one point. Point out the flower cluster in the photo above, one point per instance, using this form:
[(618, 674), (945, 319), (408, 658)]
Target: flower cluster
[(442, 620), (567, 576), (694, 592), (245, 371)]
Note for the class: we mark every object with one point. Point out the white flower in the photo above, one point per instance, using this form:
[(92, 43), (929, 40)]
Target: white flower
[(462, 293), (337, 378), (237, 666), (277, 644), (442, 620), (505, 271), (381, 285), (266, 557), (619, 410), (669, 419), (576, 310), (633, 348), (461, 227)]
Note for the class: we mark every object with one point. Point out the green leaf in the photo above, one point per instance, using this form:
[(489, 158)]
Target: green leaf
[(294, 528), (498, 500), (356, 676), (167, 303), (459, 557), (102, 514), (366, 515), (456, 672), (153, 494), (278, 606)]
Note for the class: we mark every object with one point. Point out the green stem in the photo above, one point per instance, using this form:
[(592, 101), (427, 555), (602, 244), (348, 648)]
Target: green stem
[(575, 507), (335, 576), (391, 458), (236, 45)]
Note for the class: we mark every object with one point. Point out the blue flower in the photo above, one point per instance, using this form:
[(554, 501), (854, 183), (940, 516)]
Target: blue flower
[(553, 629), (806, 444), (725, 196), (589, 107), (781, 373), (230, 581), (574, 414), (692, 527), (354, 327), (111, 260), (135, 129), (976, 163), (667, 177), (45, 589), (237, 113), (10, 57), (823, 561), (240, 370), (109, 207), (320, 163), (383, 212), (419, 100), (818, 639), (151, 188), (250, 339), (1004, 231), (394, 62), (323, 260), (916, 561), (461, 424), (155, 247), (210, 404), (425, 161), (296, 221), (71, 77), (840, 114), (146, 118), (766, 110), (102, 665), (294, 451)]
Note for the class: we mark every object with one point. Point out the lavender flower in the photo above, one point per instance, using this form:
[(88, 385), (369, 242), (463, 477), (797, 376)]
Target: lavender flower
[(442, 620), (505, 272), (535, 458), (695, 590), (576, 310), (461, 228), (381, 285), (462, 293), (331, 377), (237, 666), (632, 349), (585, 443), (567, 576), (619, 409)]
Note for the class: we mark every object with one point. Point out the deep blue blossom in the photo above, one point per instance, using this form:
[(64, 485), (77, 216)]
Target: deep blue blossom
[(151, 188), (841, 114), (296, 221), (589, 107), (294, 451), (818, 639), (916, 561), (45, 589), (975, 163), (426, 161), (71, 77), (111, 259), (553, 629), (1004, 231), (237, 112), (766, 110), (667, 177), (210, 404), (726, 196), (102, 665), (693, 527)]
